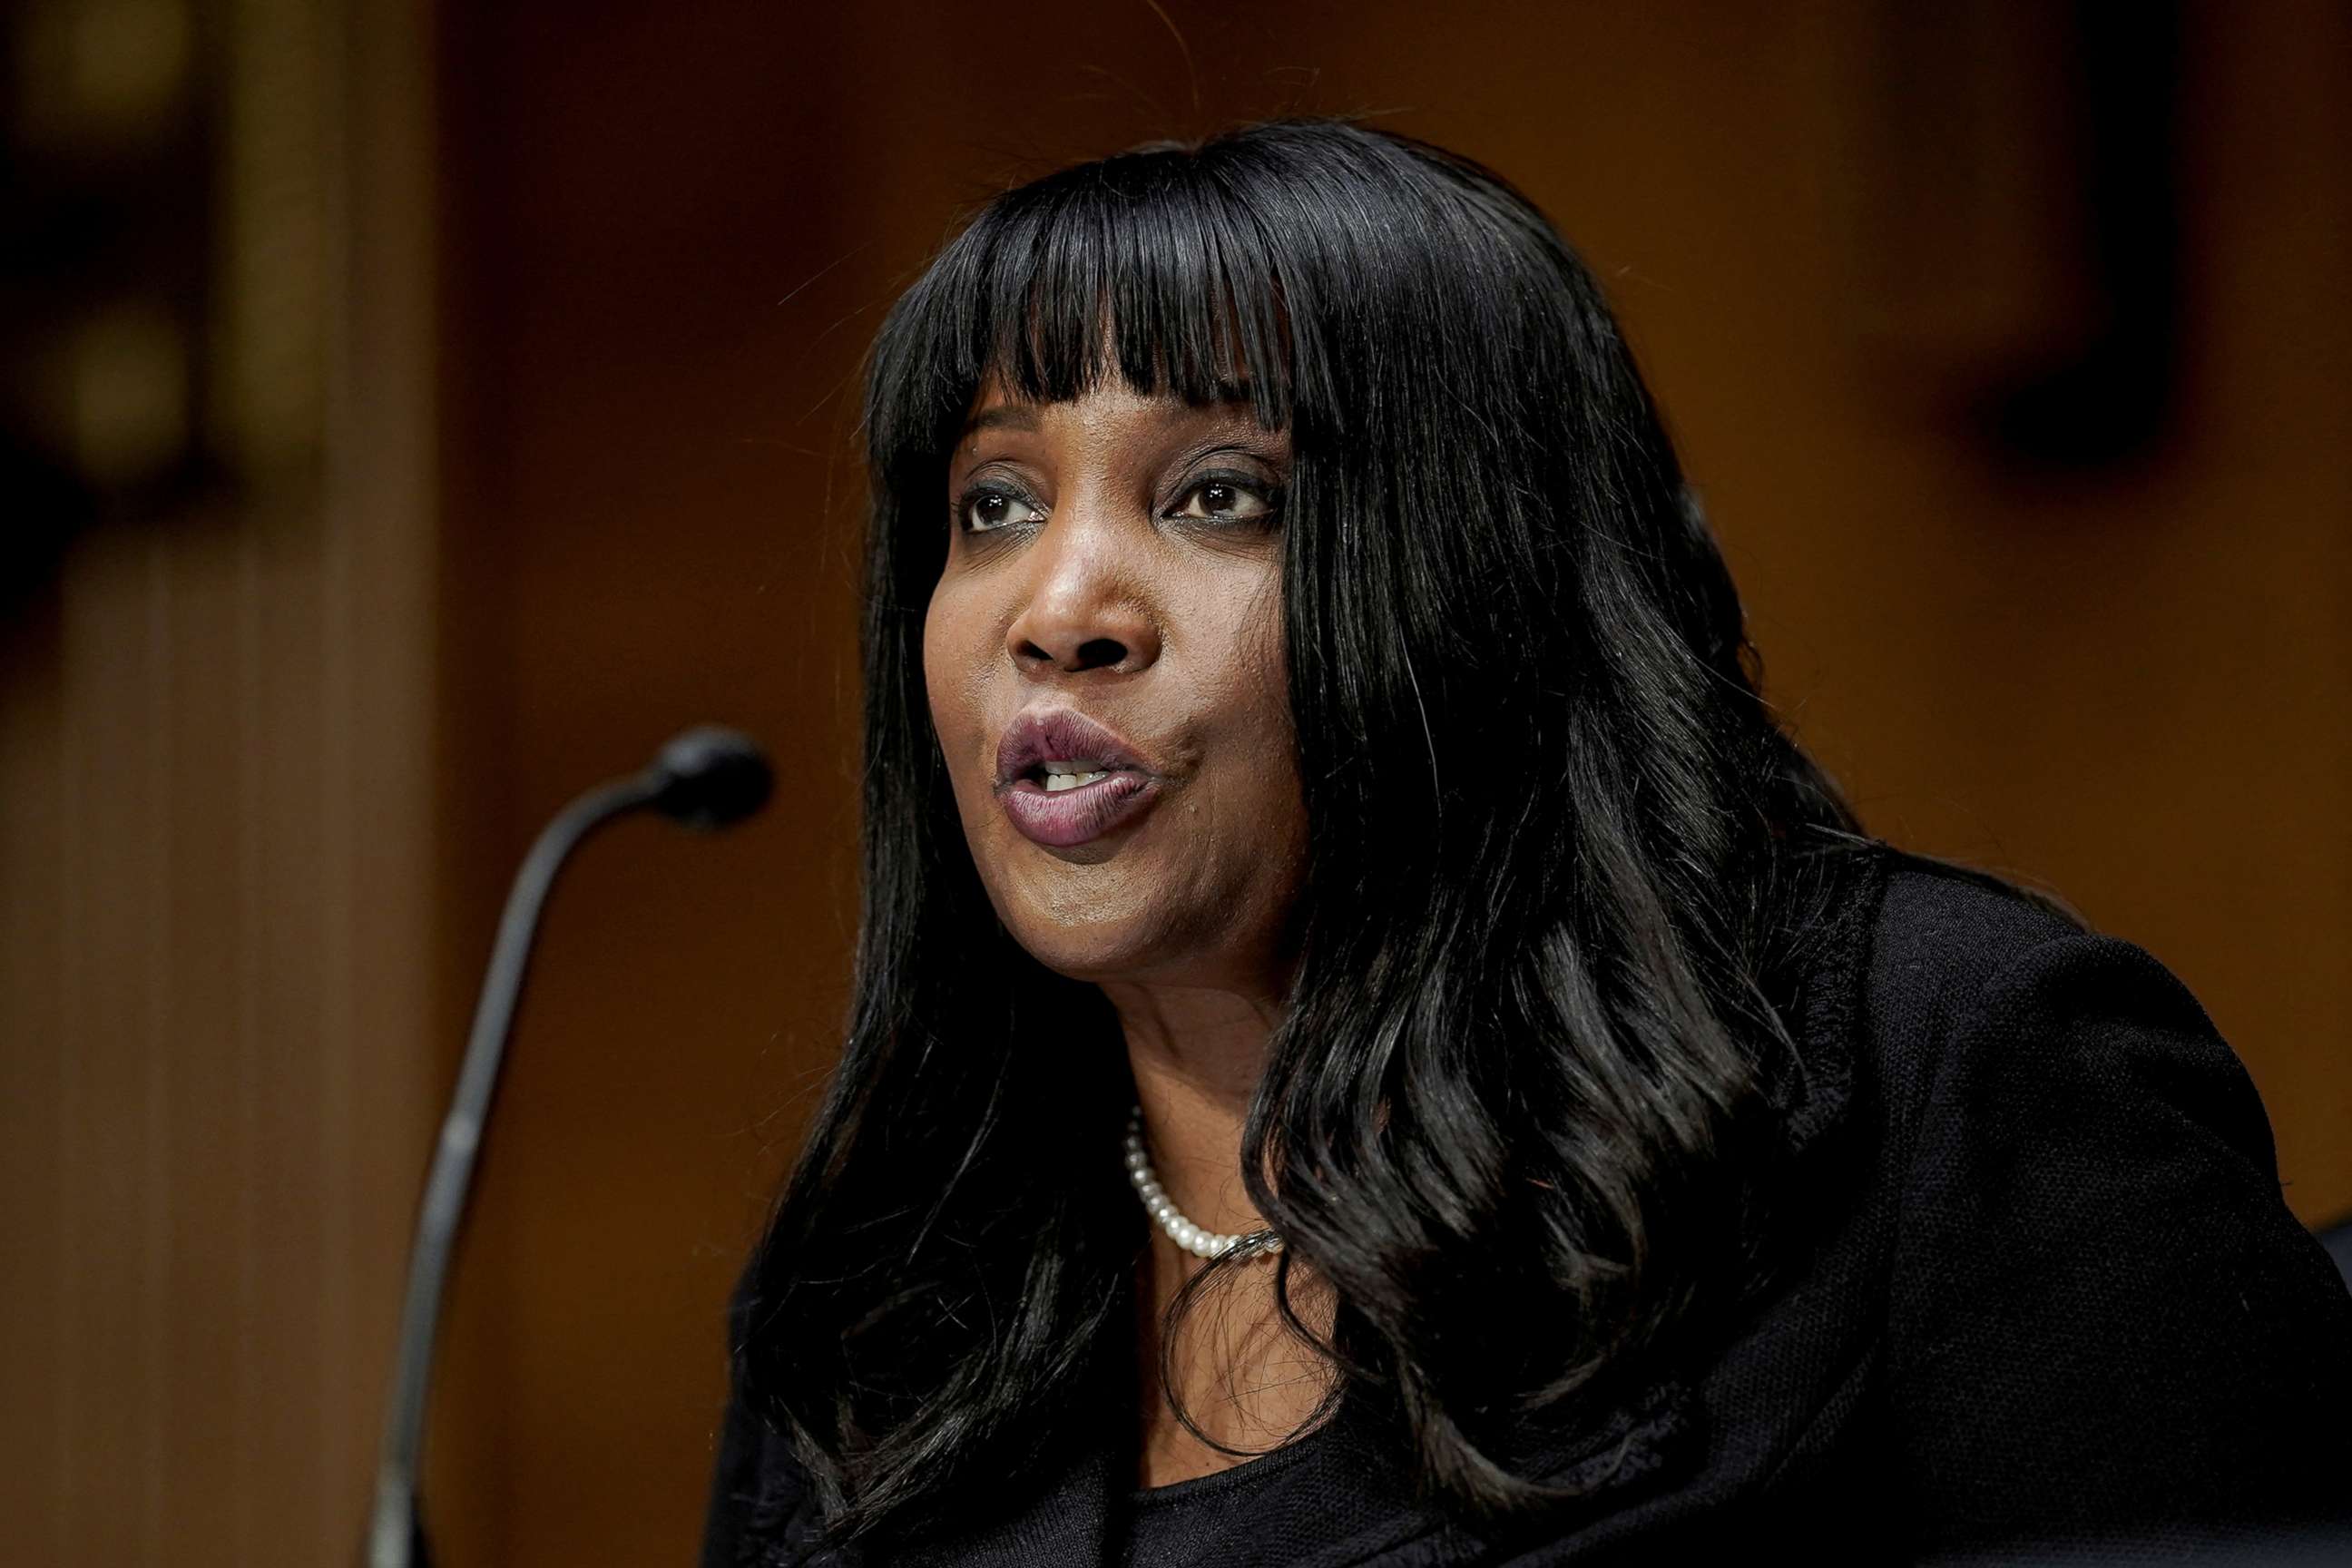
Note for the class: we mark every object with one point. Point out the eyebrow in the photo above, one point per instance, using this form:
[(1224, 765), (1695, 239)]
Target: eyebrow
[(1010, 416)]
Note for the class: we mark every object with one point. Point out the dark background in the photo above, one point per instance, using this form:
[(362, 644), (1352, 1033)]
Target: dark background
[(415, 414)]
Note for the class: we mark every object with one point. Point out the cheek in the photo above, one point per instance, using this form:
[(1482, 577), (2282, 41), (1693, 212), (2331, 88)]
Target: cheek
[(1261, 802), (1255, 689), (937, 689), (954, 671)]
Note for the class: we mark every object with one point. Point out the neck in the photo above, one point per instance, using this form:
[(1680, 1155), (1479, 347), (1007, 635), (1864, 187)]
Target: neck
[(1238, 1371), (1197, 1055)]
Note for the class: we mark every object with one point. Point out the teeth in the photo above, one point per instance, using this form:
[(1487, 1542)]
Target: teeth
[(1056, 782)]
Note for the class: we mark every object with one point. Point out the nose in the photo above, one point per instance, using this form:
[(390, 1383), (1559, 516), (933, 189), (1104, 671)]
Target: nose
[(1087, 610)]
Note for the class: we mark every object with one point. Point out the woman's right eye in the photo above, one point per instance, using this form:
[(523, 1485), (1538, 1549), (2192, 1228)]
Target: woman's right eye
[(985, 509)]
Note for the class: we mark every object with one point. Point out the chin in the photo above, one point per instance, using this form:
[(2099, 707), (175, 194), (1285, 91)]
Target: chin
[(1136, 914), (1085, 944)]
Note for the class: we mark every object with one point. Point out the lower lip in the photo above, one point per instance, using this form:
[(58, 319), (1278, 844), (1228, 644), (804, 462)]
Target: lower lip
[(1072, 817)]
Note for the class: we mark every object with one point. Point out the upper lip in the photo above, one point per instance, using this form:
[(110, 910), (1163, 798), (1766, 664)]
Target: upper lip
[(1060, 734)]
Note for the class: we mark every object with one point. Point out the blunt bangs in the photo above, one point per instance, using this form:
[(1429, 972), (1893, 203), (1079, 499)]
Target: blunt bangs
[(1152, 267)]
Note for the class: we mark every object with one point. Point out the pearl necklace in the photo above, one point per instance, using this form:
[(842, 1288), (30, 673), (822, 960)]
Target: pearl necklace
[(1182, 1231)]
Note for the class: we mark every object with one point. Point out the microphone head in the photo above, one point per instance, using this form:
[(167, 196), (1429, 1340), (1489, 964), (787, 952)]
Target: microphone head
[(711, 778)]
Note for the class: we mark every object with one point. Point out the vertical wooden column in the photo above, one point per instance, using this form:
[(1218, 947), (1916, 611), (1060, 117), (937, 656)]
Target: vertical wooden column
[(216, 872)]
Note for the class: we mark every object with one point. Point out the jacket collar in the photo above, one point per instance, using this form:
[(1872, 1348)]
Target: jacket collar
[(1814, 1091)]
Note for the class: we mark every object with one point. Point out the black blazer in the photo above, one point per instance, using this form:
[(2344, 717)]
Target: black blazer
[(2049, 1292)]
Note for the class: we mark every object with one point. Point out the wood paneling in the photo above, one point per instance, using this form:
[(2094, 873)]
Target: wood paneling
[(216, 879)]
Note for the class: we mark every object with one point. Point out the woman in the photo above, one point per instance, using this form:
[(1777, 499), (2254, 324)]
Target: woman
[(1370, 1046)]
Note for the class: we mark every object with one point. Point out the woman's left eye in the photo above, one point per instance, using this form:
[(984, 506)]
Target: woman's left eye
[(1223, 501)]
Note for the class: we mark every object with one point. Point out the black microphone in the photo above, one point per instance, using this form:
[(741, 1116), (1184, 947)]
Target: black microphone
[(706, 778)]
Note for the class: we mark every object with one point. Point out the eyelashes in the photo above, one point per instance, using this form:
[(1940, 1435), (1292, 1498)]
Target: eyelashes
[(1226, 498), (1218, 499), (987, 507)]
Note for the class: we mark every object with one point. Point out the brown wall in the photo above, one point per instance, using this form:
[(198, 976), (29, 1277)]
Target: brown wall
[(664, 236)]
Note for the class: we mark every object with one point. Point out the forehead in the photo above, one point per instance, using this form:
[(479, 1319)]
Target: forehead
[(1110, 402)]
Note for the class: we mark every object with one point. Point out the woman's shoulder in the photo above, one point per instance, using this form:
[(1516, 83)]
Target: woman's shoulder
[(1962, 959), (1950, 958), (1940, 931), (1974, 996), (2096, 1306), (1902, 949)]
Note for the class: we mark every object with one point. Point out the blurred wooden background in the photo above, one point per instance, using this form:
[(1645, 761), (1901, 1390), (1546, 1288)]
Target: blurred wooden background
[(511, 427)]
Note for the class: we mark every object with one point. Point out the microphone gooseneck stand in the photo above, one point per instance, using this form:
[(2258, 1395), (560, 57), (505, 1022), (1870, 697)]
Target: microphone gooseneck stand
[(707, 778)]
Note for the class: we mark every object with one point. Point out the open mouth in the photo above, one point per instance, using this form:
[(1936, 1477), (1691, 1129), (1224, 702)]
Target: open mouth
[(1059, 775), (1056, 749), (1064, 780)]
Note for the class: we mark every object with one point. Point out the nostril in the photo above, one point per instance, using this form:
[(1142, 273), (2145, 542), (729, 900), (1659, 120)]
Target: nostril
[(1094, 653)]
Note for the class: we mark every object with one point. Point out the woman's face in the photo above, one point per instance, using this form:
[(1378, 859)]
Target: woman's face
[(1103, 654)]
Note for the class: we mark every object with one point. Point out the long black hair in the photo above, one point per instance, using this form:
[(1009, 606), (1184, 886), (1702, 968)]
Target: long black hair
[(1561, 852)]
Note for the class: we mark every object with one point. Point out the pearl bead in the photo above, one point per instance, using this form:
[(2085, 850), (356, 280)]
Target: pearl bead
[(1163, 1209)]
